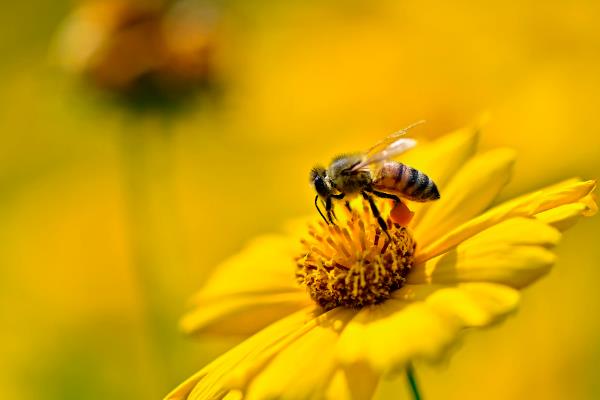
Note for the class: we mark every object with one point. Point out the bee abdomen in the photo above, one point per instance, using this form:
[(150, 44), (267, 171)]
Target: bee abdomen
[(406, 181)]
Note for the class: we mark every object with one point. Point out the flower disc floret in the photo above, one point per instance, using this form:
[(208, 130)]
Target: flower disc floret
[(353, 263)]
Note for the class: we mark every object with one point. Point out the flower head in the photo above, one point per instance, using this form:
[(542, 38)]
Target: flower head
[(138, 48), (364, 306), (353, 263)]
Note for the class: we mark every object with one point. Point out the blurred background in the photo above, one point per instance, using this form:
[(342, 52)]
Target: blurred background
[(143, 143)]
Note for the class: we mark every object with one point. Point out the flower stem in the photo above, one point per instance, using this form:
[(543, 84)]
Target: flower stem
[(145, 161), (412, 381)]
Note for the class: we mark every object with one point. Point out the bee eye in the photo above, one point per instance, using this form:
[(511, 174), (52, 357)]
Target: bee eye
[(320, 185)]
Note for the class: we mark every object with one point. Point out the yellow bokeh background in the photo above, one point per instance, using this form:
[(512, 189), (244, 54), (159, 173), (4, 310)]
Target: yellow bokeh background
[(112, 218)]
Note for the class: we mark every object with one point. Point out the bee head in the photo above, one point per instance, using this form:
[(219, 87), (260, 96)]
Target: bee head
[(318, 178)]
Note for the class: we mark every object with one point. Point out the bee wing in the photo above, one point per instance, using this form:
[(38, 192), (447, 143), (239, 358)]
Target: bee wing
[(388, 147), (388, 140), (393, 149)]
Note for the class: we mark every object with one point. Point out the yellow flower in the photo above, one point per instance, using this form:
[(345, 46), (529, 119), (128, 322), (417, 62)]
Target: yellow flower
[(384, 304)]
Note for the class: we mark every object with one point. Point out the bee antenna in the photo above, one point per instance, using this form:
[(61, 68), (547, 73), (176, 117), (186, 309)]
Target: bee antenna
[(319, 210)]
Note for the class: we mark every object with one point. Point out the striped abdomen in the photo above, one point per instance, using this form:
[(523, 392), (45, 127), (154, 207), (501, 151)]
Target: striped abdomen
[(406, 182)]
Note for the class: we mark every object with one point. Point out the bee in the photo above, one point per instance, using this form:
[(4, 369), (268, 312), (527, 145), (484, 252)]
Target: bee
[(370, 174)]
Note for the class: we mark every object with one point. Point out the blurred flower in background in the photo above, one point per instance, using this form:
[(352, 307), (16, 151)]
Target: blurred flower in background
[(304, 80), (157, 48)]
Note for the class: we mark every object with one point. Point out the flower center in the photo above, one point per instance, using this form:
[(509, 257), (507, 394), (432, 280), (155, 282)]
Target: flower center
[(354, 263)]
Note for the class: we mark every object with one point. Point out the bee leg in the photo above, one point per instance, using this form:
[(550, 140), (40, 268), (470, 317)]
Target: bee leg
[(319, 210), (384, 195), (337, 197), (376, 214), (340, 196), (332, 212), (347, 204), (329, 209)]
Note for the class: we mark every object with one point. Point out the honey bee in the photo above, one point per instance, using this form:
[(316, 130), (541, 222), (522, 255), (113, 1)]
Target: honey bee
[(372, 173)]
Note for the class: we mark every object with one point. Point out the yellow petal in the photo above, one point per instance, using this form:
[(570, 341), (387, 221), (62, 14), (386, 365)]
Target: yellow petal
[(243, 314), (211, 382), (303, 369), (471, 190), (244, 373), (248, 291), (563, 217), (476, 304), (591, 203), (422, 321), (391, 334), (512, 253), (527, 205), (234, 395), (264, 265), (440, 159), (353, 382)]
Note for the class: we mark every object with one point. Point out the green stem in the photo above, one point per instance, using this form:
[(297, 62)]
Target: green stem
[(412, 381), (138, 161)]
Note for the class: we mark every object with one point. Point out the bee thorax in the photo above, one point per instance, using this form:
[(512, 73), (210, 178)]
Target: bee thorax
[(353, 183)]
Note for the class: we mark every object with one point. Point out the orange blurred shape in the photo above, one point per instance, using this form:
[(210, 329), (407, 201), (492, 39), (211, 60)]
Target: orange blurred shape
[(119, 43)]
